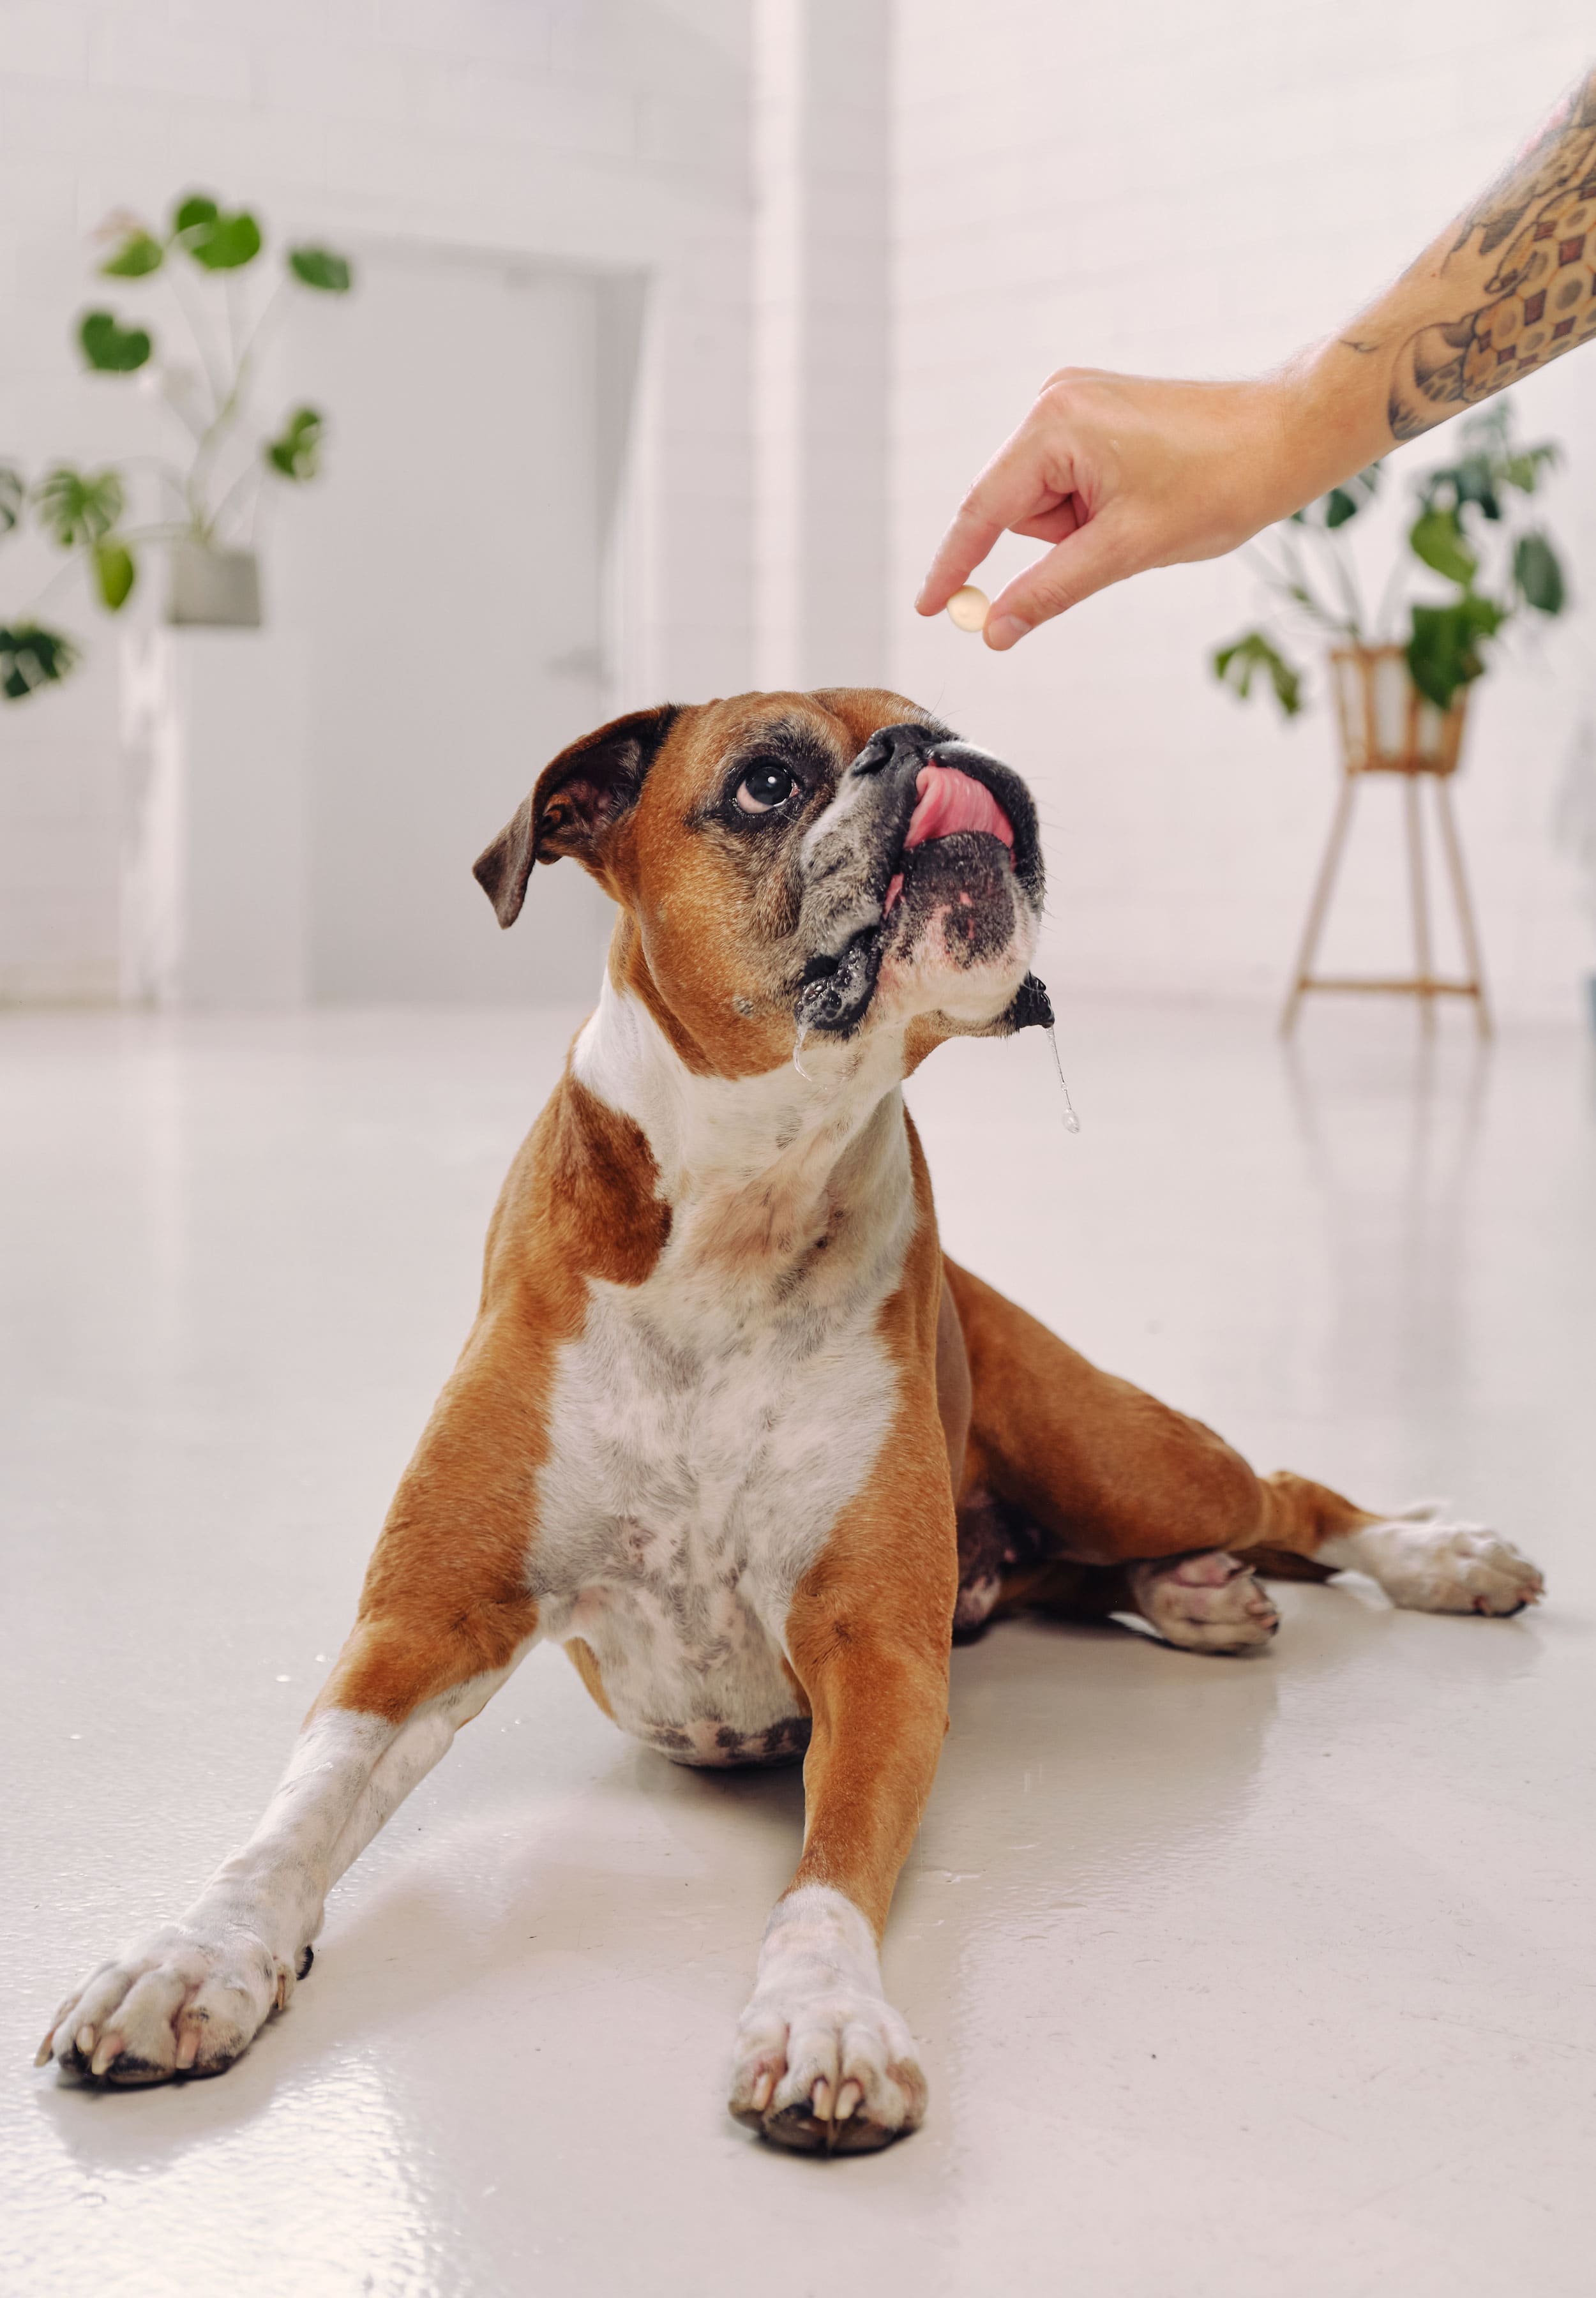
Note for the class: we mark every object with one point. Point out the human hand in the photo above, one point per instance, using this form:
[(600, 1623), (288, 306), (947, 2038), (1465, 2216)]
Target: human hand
[(1119, 472)]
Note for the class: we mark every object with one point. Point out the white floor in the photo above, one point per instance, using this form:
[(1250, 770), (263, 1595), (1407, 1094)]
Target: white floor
[(1233, 1977)]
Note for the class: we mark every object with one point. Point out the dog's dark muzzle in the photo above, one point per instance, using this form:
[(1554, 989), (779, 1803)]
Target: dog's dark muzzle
[(894, 830)]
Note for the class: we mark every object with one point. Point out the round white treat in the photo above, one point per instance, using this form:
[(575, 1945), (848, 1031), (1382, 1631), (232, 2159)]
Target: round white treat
[(967, 608)]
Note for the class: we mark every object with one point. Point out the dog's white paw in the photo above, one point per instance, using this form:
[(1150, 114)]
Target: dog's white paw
[(824, 2062), (188, 1999), (1208, 1602), (1425, 1564)]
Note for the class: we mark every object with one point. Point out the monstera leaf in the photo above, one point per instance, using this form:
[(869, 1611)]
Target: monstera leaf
[(1443, 651), (31, 657), (1236, 665), (108, 347), (79, 506), (1436, 536)]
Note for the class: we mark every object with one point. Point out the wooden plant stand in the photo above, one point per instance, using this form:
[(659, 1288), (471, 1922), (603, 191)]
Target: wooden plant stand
[(1388, 728)]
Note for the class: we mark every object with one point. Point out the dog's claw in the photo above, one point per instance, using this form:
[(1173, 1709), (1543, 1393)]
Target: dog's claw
[(111, 2048), (821, 2097), (847, 2098)]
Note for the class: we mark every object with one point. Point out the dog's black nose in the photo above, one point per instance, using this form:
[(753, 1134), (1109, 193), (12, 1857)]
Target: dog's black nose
[(895, 746)]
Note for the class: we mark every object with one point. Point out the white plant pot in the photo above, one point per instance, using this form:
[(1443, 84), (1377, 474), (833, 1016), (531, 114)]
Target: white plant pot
[(213, 590), (214, 909)]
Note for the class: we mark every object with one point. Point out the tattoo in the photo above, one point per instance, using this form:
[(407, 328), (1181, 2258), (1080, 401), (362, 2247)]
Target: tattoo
[(1536, 300)]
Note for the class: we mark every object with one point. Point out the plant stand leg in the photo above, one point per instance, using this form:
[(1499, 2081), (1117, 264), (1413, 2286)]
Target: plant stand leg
[(1320, 902), (1452, 847), (1424, 972)]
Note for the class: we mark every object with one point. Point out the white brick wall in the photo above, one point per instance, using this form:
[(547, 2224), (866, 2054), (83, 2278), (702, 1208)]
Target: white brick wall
[(609, 133), (1196, 191)]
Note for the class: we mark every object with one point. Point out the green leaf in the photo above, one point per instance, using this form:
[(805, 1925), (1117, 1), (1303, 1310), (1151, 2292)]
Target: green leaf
[(1339, 507), (1475, 482), (1538, 573), (1436, 537), (109, 347), (1444, 653), (1237, 665), (13, 495), (114, 572), (226, 243), (31, 657), (295, 453), (78, 506), (194, 208), (139, 255), (319, 266)]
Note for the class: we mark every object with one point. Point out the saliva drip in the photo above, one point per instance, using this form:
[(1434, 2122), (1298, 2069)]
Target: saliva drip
[(1072, 1122), (797, 1052)]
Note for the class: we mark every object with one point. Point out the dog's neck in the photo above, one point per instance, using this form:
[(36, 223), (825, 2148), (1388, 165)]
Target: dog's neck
[(756, 1170)]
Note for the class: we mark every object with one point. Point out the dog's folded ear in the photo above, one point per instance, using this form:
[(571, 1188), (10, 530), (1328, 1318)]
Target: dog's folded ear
[(580, 797)]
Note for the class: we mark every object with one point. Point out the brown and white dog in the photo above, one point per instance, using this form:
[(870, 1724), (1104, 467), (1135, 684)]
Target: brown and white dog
[(729, 1426)]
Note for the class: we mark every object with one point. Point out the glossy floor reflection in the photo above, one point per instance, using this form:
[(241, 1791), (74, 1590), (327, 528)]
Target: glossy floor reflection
[(1232, 1977)]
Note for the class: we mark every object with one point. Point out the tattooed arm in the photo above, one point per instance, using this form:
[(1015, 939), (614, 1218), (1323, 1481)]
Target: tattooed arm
[(1509, 287), (1121, 472)]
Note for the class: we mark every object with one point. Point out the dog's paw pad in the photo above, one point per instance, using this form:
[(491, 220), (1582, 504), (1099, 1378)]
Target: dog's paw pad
[(1209, 1601)]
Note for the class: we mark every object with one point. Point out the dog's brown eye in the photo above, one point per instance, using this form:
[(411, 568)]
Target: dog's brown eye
[(764, 786)]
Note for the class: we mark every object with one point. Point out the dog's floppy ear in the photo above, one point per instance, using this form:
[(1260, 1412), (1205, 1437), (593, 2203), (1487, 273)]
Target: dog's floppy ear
[(579, 796)]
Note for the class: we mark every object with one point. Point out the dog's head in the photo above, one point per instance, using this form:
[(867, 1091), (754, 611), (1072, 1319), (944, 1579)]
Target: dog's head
[(794, 867)]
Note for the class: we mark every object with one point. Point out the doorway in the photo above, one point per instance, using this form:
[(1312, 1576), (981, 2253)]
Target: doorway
[(447, 572)]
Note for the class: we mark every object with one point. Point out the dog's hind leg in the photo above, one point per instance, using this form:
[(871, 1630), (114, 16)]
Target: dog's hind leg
[(444, 1618), (1097, 1473)]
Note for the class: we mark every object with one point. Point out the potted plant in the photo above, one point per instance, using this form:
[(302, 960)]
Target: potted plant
[(1400, 677), (202, 506)]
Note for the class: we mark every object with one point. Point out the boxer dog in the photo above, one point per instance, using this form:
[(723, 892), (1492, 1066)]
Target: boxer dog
[(729, 1426)]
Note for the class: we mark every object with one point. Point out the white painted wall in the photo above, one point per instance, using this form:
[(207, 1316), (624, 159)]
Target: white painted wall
[(1196, 191), (1152, 187), (606, 135)]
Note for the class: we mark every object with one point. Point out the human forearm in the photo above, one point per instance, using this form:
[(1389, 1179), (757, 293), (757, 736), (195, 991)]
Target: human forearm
[(1121, 472), (1508, 286)]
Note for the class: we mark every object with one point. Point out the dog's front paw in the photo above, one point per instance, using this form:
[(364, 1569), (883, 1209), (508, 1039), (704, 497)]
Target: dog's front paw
[(1425, 1564), (824, 2062), (1208, 1602), (186, 1999)]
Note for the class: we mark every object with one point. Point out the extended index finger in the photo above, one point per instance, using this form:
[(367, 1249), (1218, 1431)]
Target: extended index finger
[(1015, 487)]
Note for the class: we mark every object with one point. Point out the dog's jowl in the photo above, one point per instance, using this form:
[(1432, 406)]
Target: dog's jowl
[(730, 1426)]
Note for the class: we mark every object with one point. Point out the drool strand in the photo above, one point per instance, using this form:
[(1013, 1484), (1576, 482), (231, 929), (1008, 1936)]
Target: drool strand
[(1072, 1122)]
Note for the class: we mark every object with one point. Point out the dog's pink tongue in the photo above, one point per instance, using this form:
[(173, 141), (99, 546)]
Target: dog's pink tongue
[(951, 801)]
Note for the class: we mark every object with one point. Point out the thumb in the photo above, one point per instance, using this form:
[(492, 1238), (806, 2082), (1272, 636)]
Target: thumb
[(1087, 561)]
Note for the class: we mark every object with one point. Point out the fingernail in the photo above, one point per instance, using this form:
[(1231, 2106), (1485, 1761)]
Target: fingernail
[(1003, 630)]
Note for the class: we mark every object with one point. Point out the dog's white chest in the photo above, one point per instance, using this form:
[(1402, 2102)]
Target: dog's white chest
[(696, 1468)]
